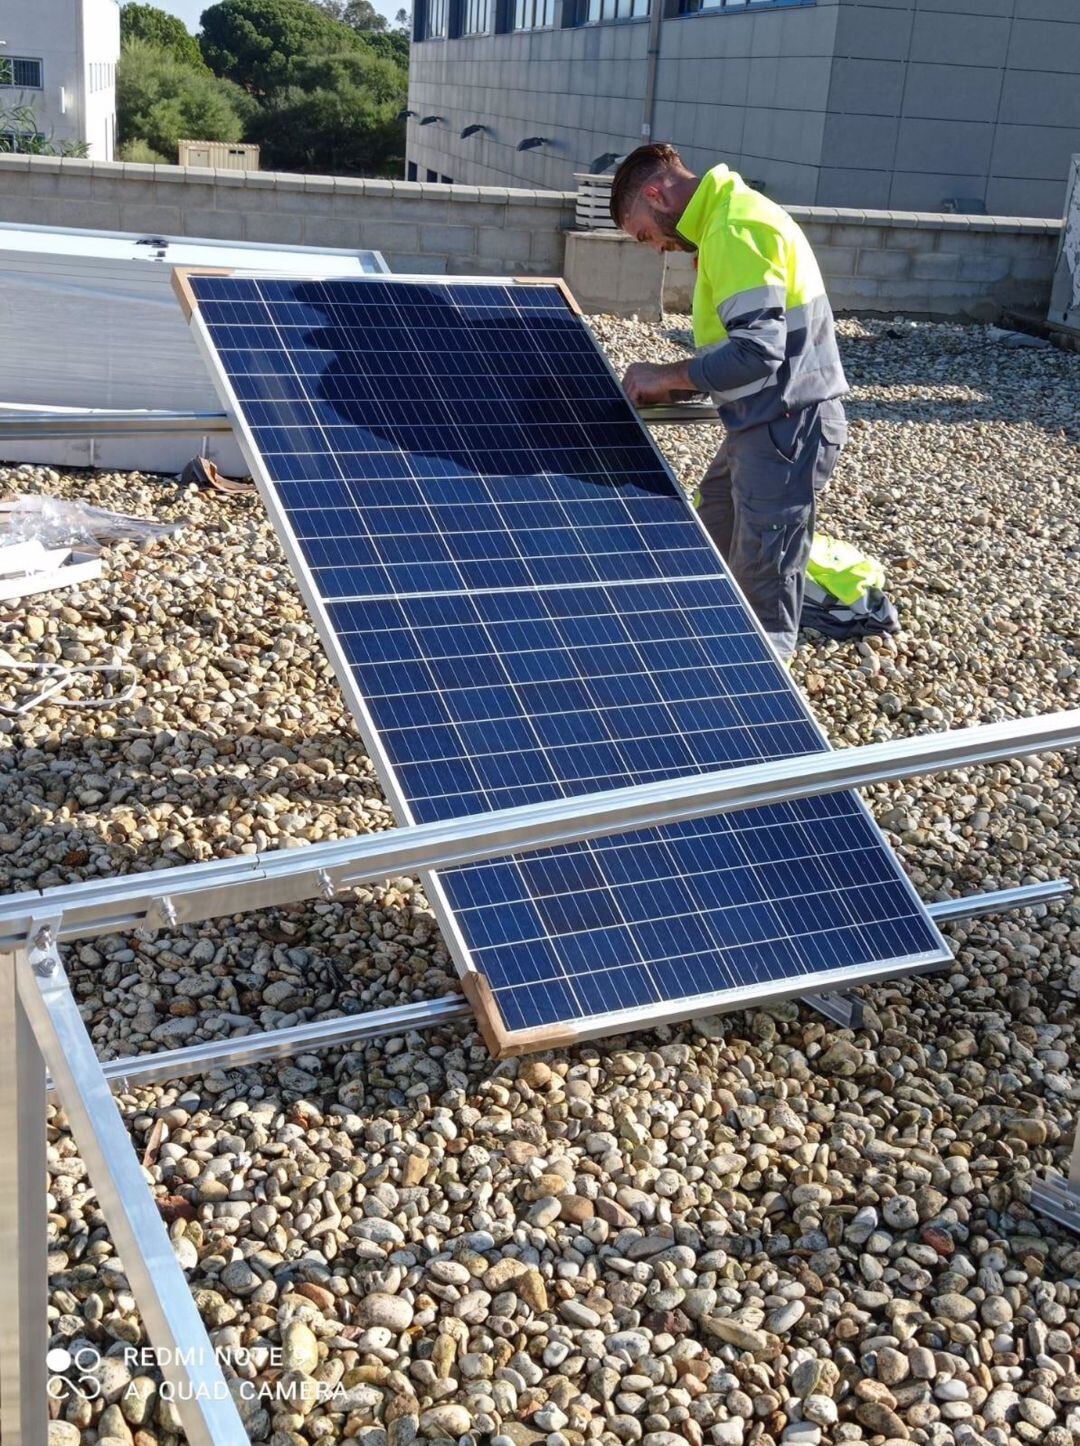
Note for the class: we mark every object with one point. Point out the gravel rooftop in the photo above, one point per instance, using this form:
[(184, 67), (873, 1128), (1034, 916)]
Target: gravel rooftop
[(753, 1229)]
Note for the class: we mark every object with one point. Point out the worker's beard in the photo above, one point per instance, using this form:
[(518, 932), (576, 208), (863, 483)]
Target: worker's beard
[(665, 223)]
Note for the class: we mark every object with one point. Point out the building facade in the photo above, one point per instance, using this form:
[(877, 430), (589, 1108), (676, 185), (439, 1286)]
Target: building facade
[(922, 105), (59, 58)]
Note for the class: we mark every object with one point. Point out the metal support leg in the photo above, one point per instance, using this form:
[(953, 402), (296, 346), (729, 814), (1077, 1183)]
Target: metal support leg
[(1059, 1196), (847, 1009), (23, 1221), (184, 1353)]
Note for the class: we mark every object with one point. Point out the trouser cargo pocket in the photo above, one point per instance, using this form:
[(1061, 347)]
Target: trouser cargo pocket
[(769, 551)]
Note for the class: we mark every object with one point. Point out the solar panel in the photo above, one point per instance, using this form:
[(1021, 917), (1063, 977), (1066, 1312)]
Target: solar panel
[(522, 606)]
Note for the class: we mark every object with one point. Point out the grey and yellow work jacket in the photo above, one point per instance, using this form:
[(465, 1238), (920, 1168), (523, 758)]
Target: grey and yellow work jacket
[(763, 325)]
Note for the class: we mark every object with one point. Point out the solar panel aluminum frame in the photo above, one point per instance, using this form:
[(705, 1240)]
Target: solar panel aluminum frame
[(501, 1041)]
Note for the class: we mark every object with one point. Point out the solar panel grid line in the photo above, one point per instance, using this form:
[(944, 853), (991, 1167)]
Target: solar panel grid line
[(652, 997), (384, 769), (490, 798)]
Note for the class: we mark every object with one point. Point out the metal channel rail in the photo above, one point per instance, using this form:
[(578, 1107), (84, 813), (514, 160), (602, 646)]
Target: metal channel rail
[(42, 1033)]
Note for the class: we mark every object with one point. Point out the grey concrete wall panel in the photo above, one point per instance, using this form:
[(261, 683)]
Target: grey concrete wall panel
[(1046, 10), (945, 39), (867, 32), (866, 87), (1041, 153), (933, 189), (1018, 197), (721, 74), (952, 92), (845, 186), (860, 142), (1029, 98), (1002, 8), (1046, 45), (963, 147)]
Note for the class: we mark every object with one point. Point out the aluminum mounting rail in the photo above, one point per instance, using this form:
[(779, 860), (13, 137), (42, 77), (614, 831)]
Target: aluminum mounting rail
[(91, 423), (261, 1046), (182, 1348), (680, 412), (188, 894)]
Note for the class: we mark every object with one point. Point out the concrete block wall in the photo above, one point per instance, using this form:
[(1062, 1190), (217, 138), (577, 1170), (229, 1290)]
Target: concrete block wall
[(872, 261), (467, 230)]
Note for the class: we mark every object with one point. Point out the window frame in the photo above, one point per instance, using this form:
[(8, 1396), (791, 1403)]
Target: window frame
[(10, 142), (16, 60), (691, 9), (488, 8), (581, 18), (555, 23)]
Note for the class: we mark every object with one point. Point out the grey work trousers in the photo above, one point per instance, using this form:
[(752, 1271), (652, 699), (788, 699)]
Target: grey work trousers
[(757, 501)]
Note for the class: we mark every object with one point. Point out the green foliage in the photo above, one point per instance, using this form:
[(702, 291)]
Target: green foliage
[(157, 27), (20, 130), (336, 114), (317, 83), (141, 151), (160, 100), (358, 14), (254, 42), (390, 44)]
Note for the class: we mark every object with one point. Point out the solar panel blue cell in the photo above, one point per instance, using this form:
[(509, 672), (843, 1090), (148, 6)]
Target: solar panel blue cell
[(527, 608)]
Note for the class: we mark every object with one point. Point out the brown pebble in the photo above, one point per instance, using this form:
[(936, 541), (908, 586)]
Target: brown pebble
[(937, 1239)]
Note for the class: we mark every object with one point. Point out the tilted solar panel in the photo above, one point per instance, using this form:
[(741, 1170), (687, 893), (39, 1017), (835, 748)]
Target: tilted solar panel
[(521, 606)]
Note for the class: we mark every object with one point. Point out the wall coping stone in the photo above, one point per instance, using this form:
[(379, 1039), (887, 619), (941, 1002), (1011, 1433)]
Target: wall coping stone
[(357, 186), (292, 181), (926, 220)]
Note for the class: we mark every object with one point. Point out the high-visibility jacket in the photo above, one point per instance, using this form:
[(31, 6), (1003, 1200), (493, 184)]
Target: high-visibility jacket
[(763, 325)]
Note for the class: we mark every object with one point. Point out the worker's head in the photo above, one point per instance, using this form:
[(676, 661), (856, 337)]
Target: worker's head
[(649, 192)]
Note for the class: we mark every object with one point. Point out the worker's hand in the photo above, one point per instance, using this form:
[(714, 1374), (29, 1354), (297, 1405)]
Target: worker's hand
[(648, 385)]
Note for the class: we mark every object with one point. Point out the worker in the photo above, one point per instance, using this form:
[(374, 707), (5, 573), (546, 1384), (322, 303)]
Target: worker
[(766, 351)]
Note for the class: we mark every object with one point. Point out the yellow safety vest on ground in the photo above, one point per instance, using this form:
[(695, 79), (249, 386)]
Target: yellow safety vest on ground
[(763, 325)]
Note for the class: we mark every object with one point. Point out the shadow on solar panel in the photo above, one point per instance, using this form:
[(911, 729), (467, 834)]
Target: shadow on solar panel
[(521, 606)]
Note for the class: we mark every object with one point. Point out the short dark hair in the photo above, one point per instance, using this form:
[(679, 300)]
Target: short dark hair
[(637, 169)]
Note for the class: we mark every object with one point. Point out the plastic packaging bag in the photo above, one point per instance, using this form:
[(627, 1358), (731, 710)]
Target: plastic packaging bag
[(55, 522)]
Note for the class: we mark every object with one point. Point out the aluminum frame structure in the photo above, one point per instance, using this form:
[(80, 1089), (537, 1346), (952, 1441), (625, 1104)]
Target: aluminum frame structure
[(43, 1034)]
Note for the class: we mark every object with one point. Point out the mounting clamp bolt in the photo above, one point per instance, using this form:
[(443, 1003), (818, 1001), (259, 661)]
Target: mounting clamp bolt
[(326, 885), (167, 910), (44, 939)]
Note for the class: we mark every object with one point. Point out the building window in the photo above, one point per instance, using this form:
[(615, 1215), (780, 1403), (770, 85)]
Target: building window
[(436, 19), (595, 12), (477, 17), (714, 7), (16, 73), (432, 176), (447, 180), (410, 171), (17, 142), (534, 14)]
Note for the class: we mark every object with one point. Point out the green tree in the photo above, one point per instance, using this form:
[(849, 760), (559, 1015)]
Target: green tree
[(144, 153), (337, 114), (147, 22), (254, 42), (390, 44), (357, 14), (160, 100)]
